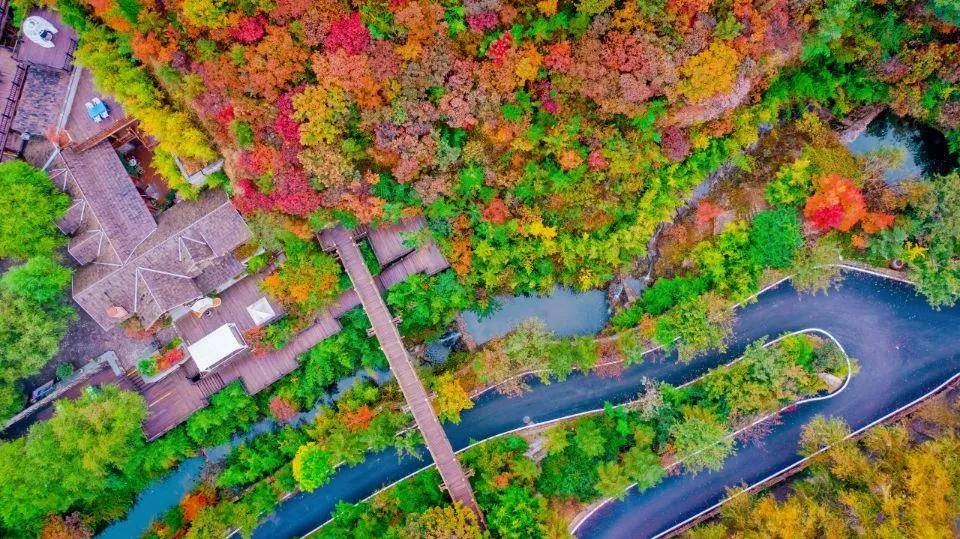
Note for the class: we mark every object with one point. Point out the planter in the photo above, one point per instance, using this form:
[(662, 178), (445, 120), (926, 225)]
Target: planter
[(897, 264)]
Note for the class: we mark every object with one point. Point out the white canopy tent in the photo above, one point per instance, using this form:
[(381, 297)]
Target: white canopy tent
[(216, 346), (261, 312)]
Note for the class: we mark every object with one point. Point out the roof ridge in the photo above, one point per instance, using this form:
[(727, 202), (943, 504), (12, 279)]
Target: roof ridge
[(141, 255), (66, 168), (178, 232)]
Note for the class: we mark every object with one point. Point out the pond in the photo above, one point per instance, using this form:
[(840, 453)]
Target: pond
[(565, 312), (925, 150)]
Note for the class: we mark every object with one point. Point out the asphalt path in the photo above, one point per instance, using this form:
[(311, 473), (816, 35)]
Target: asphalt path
[(905, 349)]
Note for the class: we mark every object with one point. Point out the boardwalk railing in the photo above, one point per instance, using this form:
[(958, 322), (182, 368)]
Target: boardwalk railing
[(10, 107)]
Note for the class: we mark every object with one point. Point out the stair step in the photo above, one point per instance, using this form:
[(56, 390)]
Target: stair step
[(210, 384), (137, 381)]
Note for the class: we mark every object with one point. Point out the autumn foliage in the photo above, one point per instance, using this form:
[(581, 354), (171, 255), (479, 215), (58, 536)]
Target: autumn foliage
[(838, 204), (192, 503)]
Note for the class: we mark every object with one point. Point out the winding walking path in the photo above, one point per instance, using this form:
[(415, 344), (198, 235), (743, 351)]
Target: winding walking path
[(905, 349), (416, 396)]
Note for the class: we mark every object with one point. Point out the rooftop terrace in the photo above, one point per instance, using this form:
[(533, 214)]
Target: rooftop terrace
[(60, 56)]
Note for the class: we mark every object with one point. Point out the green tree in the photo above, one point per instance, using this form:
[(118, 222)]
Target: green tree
[(612, 480), (569, 474), (312, 466), (937, 272), (517, 514), (643, 467), (589, 438), (526, 349), (695, 326), (12, 400), (815, 267), (31, 205), (947, 10), (41, 279), (79, 459), (29, 334), (231, 409), (775, 236), (700, 441)]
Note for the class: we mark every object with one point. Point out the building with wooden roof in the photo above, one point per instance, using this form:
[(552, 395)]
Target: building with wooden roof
[(146, 271)]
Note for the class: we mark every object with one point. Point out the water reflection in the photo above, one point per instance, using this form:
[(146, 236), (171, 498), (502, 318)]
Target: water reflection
[(925, 150), (564, 311)]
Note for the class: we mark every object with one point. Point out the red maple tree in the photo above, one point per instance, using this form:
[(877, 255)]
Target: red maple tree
[(836, 204)]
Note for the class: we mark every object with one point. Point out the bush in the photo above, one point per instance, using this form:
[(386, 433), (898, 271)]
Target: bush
[(775, 237)]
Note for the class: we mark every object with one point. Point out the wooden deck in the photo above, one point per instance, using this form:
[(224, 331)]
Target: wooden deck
[(413, 390), (426, 259), (173, 399), (232, 310), (60, 56), (387, 241), (259, 372), (170, 402)]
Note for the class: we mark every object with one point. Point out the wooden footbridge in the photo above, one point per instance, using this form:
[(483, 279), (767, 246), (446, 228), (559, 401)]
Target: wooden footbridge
[(392, 346)]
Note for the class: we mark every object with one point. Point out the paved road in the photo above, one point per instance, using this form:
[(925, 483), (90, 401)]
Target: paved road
[(905, 349)]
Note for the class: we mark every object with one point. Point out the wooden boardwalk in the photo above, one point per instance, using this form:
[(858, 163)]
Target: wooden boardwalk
[(413, 390)]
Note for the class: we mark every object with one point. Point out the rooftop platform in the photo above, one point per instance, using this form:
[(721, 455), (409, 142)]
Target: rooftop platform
[(60, 56), (83, 131)]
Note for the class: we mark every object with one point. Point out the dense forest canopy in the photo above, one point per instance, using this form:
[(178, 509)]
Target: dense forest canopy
[(543, 140)]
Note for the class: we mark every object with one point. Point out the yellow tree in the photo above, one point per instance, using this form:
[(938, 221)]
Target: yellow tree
[(451, 398)]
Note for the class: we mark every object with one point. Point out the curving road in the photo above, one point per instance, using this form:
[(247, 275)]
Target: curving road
[(905, 349)]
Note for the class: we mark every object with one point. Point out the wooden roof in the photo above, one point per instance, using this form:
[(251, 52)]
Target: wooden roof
[(98, 176), (160, 274), (41, 100)]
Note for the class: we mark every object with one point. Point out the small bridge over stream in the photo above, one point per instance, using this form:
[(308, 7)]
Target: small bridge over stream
[(392, 346)]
